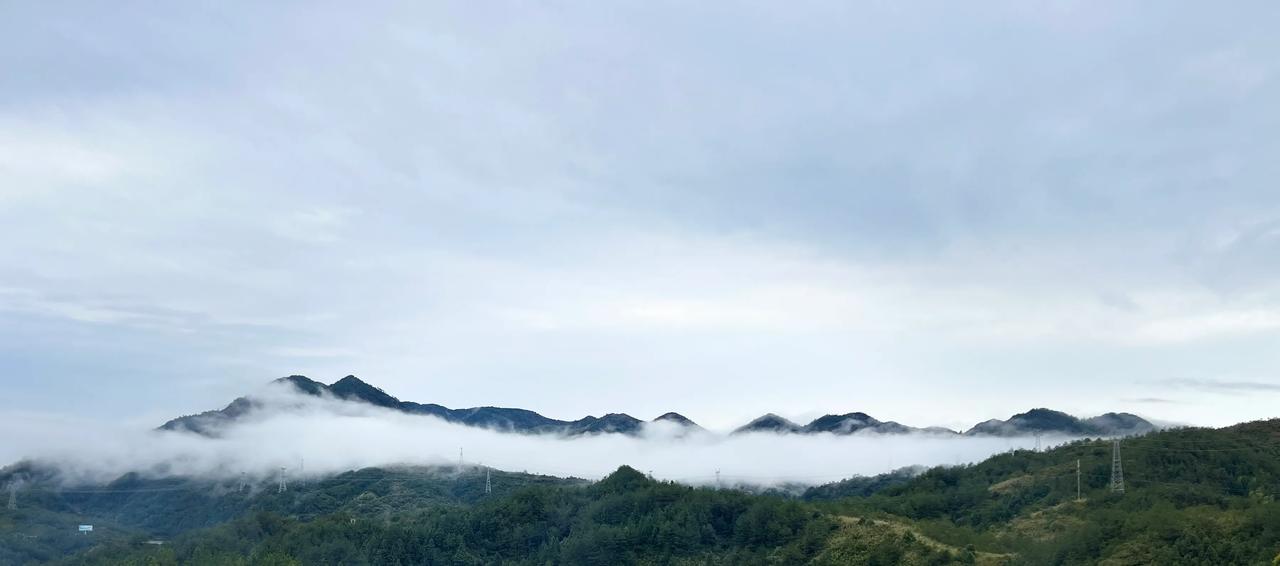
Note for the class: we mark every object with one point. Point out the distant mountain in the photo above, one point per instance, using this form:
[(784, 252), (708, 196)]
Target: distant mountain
[(676, 418), (848, 423), (351, 388), (1123, 424), (1035, 421), (855, 422), (681, 425), (1046, 421), (612, 422), (209, 421), (769, 423)]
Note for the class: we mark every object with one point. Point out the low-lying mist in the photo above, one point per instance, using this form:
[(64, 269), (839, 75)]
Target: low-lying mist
[(317, 436)]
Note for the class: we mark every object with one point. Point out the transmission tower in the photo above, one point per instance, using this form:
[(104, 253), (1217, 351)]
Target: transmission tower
[(1077, 480), (1117, 474), (242, 482), (1037, 442), (13, 496), (488, 485), (283, 485), (717, 479)]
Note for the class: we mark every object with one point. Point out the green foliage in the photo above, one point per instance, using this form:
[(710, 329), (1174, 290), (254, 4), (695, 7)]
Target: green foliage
[(1193, 496), (31, 535), (860, 486), (623, 519), (44, 526), (882, 544)]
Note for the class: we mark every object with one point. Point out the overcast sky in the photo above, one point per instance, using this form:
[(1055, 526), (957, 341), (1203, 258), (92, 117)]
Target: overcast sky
[(935, 213)]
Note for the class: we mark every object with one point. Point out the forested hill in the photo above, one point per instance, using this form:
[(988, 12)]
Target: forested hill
[(1191, 496), (132, 508)]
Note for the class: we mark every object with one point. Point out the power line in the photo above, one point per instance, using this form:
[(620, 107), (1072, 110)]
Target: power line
[(124, 490)]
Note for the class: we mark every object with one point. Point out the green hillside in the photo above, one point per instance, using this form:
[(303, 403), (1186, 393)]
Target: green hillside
[(134, 510), (623, 519), (1192, 496)]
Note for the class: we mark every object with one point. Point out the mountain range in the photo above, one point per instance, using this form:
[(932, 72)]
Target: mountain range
[(351, 388)]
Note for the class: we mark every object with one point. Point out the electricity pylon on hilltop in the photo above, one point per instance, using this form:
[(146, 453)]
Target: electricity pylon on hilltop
[(1117, 473)]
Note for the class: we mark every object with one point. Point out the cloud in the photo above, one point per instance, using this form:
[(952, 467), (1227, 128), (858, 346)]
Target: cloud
[(315, 226), (333, 436), (1225, 386), (831, 207), (304, 352), (1209, 325), (34, 160)]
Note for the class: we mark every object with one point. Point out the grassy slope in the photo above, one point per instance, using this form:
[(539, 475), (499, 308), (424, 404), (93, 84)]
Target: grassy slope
[(877, 541)]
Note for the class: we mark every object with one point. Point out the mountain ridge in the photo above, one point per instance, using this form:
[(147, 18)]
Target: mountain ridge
[(516, 420), (353, 389)]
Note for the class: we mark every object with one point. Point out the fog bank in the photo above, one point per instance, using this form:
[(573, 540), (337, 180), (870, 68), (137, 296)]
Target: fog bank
[(314, 436)]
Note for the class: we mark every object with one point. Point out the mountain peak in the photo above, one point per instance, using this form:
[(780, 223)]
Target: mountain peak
[(352, 389), (303, 383), (847, 423), (1042, 420), (611, 422), (1119, 423), (622, 480), (769, 422), (349, 380), (677, 418)]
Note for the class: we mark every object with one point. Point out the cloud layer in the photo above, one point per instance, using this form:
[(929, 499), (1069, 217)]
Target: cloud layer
[(319, 436)]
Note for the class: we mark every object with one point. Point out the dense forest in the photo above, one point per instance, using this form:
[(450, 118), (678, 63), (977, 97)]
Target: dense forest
[(1191, 496)]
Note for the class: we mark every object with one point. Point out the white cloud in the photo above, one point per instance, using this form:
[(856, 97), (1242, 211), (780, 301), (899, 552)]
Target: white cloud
[(1209, 325), (315, 225), (333, 436)]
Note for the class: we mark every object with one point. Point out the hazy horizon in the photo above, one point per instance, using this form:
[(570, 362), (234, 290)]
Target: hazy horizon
[(320, 436)]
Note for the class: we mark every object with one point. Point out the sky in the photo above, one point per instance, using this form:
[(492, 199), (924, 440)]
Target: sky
[(935, 213)]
